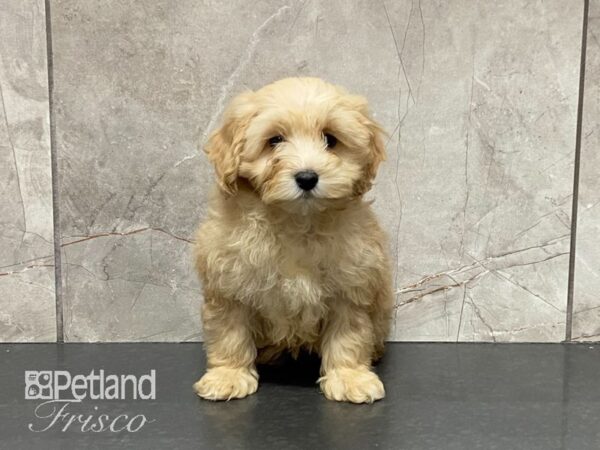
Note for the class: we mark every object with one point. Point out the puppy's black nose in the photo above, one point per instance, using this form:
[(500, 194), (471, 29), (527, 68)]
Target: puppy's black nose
[(307, 179)]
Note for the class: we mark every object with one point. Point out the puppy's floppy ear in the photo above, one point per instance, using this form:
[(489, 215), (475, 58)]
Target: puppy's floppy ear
[(226, 144), (376, 154)]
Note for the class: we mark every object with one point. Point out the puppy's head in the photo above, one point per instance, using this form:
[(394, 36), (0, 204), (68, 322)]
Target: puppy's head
[(298, 142)]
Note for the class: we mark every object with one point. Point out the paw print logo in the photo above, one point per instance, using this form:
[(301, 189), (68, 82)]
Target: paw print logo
[(38, 385)]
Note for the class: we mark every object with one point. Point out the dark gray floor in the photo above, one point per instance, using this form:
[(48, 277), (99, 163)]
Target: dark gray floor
[(439, 396)]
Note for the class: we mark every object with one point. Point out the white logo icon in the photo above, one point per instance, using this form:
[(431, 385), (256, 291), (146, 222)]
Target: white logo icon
[(38, 385)]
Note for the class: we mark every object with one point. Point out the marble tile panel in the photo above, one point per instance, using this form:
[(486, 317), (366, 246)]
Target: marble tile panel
[(27, 300), (479, 100)]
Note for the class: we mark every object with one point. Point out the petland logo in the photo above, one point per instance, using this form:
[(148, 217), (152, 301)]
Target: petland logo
[(61, 392)]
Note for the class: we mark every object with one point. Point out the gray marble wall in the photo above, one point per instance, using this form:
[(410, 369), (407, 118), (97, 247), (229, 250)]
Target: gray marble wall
[(480, 100), (27, 303)]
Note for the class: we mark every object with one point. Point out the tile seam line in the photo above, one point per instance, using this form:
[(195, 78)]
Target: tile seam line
[(54, 177), (577, 164)]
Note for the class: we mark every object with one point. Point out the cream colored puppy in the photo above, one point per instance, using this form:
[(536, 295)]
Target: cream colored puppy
[(291, 257)]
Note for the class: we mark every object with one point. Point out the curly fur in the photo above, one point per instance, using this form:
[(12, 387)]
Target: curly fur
[(283, 270)]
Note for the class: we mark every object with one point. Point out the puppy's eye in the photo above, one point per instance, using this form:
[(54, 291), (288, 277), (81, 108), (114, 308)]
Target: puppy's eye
[(330, 140), (275, 140)]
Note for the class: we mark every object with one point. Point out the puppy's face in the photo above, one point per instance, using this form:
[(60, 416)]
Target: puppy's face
[(299, 142)]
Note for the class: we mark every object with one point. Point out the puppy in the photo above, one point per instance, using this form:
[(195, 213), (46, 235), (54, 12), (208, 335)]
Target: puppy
[(290, 256)]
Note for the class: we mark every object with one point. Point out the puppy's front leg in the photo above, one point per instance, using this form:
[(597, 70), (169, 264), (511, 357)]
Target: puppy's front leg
[(346, 350), (230, 351)]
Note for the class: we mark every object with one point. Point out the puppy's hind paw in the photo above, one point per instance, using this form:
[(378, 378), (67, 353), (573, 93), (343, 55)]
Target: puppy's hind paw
[(352, 385), (224, 383)]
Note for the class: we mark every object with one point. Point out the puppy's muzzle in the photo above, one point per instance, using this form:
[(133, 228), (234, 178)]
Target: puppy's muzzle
[(307, 179)]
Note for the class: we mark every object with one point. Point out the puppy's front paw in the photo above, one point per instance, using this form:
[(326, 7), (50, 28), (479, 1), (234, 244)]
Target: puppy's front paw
[(224, 383), (352, 385)]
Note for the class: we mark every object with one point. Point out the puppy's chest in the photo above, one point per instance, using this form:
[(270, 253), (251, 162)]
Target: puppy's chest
[(288, 274), (284, 270), (294, 306), (301, 266)]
